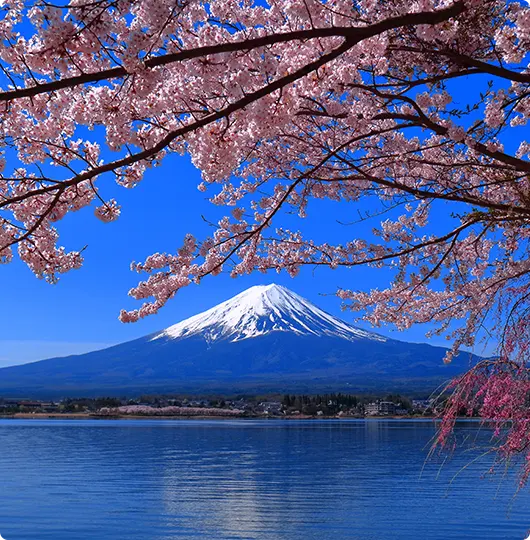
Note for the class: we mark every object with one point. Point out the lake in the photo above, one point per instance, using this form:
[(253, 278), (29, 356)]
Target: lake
[(267, 480)]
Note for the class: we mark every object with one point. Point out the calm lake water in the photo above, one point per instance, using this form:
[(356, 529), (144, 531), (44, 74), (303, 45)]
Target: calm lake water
[(270, 480)]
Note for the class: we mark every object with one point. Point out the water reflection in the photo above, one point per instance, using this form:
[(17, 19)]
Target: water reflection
[(247, 480)]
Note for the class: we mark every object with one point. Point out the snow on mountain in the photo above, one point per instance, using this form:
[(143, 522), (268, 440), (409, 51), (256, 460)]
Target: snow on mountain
[(260, 310)]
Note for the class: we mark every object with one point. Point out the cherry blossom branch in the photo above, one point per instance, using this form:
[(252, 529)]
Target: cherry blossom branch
[(351, 34)]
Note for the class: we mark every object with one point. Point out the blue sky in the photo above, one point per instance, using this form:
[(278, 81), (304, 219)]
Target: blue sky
[(78, 314)]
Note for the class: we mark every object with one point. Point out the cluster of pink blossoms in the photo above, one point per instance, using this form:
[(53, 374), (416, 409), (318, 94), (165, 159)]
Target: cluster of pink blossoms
[(145, 410), (498, 393)]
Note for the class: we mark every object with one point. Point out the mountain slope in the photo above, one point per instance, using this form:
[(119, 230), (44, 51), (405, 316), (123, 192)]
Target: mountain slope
[(264, 339)]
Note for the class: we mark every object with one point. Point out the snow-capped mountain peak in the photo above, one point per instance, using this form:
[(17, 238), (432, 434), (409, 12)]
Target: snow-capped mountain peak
[(260, 310)]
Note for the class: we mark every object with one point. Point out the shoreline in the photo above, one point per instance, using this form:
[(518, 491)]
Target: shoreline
[(88, 416)]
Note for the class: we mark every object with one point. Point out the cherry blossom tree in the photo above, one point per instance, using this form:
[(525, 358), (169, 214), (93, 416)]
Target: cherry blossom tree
[(280, 103)]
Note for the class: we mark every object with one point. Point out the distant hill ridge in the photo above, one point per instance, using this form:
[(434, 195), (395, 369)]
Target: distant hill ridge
[(266, 339)]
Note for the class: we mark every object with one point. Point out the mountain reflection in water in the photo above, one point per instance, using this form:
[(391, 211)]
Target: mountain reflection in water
[(270, 480)]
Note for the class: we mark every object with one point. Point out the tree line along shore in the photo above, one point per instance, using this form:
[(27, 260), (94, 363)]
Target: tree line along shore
[(333, 405)]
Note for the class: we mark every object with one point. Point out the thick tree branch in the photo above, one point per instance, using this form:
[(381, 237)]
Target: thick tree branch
[(351, 34)]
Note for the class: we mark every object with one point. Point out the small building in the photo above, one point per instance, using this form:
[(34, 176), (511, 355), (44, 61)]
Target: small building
[(30, 404), (380, 408), (387, 408), (270, 407), (371, 409), (421, 403)]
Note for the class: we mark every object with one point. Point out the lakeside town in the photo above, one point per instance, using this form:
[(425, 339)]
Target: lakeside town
[(287, 406)]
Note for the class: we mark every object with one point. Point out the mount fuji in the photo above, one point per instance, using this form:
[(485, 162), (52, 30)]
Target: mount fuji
[(261, 310), (265, 339)]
